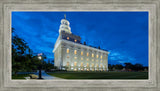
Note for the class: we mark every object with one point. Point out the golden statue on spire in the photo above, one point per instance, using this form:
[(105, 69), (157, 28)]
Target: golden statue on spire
[(64, 16)]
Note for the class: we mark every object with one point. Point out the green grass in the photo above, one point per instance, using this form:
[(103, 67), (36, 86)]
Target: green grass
[(19, 76), (101, 75)]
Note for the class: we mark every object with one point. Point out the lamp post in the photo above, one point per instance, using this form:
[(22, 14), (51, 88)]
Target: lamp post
[(40, 67)]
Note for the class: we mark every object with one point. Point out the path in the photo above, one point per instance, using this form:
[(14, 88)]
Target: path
[(45, 76)]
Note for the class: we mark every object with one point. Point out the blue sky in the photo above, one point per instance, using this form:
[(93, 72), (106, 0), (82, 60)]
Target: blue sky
[(123, 34)]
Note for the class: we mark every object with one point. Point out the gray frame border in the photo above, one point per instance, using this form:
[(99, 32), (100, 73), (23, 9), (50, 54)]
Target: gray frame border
[(152, 6)]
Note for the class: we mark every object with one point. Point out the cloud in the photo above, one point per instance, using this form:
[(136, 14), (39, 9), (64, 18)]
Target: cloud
[(124, 34)]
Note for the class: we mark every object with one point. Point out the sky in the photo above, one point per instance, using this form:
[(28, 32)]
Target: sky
[(123, 34)]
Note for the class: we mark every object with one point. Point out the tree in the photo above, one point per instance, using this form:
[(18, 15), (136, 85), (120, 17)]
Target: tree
[(109, 66), (138, 67), (22, 55), (128, 66), (118, 66)]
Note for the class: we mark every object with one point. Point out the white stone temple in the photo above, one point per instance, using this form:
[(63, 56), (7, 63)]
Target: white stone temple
[(70, 54)]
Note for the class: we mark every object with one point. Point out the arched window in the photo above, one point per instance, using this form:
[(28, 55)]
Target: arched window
[(92, 64), (67, 50), (81, 58), (67, 63), (81, 53), (97, 55), (75, 52), (87, 64), (67, 38), (81, 64), (92, 55), (87, 54), (75, 63)]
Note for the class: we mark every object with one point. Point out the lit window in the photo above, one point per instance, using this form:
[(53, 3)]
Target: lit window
[(67, 63), (87, 59), (92, 65), (101, 65), (67, 50), (75, 40), (101, 57), (75, 63), (75, 52), (87, 64), (92, 59), (105, 66), (97, 56), (67, 56), (75, 57), (67, 38), (87, 54), (97, 60), (81, 53), (81, 63), (97, 65), (92, 55), (81, 58)]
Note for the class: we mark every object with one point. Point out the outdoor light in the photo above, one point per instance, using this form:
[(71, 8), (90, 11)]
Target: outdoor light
[(39, 57), (40, 67)]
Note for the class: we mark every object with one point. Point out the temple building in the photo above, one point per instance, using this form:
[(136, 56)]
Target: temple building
[(72, 55)]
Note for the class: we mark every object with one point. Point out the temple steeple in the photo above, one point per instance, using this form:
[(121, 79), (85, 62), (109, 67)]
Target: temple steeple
[(64, 16), (65, 25)]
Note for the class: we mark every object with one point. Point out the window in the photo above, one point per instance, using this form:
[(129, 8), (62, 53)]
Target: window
[(75, 40), (67, 56), (67, 50), (92, 55), (81, 58), (92, 65), (67, 63), (75, 57), (81, 53), (101, 61), (87, 54), (87, 64), (75, 63), (97, 60), (67, 38), (97, 65), (105, 66), (87, 59), (101, 66), (81, 64), (101, 57), (92, 59), (75, 52), (97, 56)]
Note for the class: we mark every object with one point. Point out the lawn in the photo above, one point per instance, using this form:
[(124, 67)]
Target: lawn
[(20, 76), (101, 75)]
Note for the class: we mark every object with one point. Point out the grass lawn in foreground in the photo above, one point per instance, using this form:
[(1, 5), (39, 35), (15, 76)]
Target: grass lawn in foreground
[(20, 76), (100, 75)]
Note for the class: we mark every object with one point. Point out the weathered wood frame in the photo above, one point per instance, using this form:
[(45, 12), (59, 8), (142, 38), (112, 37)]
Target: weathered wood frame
[(7, 6)]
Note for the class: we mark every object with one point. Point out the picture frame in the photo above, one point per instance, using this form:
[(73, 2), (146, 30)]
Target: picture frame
[(8, 6)]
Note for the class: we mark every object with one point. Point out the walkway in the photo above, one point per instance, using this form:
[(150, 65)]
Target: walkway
[(45, 76)]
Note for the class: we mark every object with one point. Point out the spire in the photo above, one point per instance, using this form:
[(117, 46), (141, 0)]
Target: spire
[(65, 25), (64, 16)]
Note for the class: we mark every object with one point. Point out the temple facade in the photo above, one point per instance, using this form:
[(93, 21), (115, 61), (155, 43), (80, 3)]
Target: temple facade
[(72, 55)]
